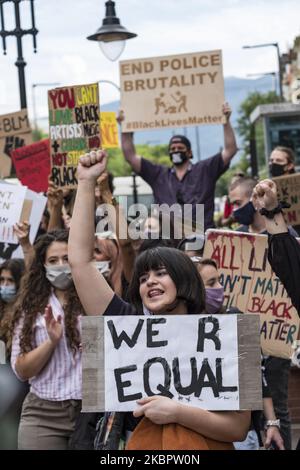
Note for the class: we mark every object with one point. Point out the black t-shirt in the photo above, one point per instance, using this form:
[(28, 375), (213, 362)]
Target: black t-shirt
[(118, 306), (196, 187)]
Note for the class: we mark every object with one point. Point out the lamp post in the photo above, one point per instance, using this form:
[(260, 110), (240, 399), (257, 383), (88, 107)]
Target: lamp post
[(34, 86), (273, 74), (133, 174), (18, 32), (111, 35), (110, 83), (274, 44)]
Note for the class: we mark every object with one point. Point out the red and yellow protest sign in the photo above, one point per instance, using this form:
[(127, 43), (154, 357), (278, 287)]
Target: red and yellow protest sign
[(252, 287), (74, 129)]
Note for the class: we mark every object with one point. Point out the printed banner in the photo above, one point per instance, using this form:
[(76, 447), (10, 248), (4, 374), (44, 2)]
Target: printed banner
[(252, 287), (74, 129), (32, 164), (172, 91)]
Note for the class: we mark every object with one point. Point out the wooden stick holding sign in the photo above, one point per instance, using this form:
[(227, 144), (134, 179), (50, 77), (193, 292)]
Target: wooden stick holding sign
[(74, 129), (126, 358), (251, 286)]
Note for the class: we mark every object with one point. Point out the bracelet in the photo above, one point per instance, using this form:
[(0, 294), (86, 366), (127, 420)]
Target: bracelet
[(271, 213), (273, 422)]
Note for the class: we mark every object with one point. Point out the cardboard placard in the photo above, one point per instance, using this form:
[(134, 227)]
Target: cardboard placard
[(32, 210), (74, 129), (32, 164), (172, 91), (289, 191), (109, 130), (252, 287), (11, 204), (15, 132), (129, 357), (14, 124)]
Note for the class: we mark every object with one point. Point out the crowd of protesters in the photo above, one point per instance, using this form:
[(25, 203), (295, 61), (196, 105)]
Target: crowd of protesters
[(74, 269)]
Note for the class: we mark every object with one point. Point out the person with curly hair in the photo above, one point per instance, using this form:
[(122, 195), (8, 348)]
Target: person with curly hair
[(46, 348)]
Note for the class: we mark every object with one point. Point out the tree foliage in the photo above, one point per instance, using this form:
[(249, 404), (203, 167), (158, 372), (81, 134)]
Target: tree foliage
[(118, 166), (253, 100)]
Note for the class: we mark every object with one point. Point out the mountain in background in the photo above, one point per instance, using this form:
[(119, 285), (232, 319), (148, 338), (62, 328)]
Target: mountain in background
[(210, 136)]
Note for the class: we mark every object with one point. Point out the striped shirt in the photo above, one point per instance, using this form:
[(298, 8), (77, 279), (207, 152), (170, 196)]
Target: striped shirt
[(61, 378)]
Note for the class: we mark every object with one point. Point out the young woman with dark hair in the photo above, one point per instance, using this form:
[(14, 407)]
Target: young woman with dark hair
[(12, 391), (46, 346), (165, 282), (11, 272)]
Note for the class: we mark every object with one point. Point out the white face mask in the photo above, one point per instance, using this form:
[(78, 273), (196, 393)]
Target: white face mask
[(103, 267), (59, 276)]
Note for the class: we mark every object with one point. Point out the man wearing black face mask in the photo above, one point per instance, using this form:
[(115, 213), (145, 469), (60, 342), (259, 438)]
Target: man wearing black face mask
[(184, 182), (244, 212), (282, 162)]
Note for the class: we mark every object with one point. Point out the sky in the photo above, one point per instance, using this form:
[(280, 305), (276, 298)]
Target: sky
[(164, 27)]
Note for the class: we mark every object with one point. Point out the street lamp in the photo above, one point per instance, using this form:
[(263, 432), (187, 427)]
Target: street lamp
[(273, 74), (274, 44), (34, 85), (111, 35), (110, 83), (19, 33), (133, 174)]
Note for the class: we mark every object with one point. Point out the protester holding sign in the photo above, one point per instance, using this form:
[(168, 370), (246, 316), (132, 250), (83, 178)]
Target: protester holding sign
[(240, 194), (284, 250), (158, 285), (277, 369), (184, 183), (46, 347), (214, 304)]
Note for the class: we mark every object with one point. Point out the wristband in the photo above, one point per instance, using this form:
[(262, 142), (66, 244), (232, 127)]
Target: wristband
[(271, 213), (273, 422)]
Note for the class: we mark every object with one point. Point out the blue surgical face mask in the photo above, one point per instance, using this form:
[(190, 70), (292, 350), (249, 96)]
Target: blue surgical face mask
[(245, 215), (8, 293)]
